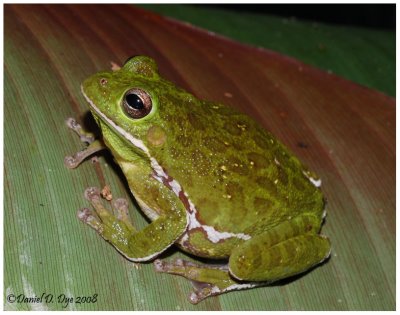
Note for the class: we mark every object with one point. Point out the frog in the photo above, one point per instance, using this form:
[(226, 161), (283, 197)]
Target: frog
[(210, 179)]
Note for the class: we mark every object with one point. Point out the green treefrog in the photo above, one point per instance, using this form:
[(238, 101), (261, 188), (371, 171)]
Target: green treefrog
[(210, 179)]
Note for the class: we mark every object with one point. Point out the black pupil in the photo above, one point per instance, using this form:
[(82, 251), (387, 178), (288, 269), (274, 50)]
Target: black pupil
[(134, 101)]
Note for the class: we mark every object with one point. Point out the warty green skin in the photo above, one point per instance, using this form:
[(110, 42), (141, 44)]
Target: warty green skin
[(231, 189)]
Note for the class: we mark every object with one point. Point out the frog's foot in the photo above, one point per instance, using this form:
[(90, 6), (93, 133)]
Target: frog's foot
[(207, 280), (73, 161), (85, 136), (115, 228)]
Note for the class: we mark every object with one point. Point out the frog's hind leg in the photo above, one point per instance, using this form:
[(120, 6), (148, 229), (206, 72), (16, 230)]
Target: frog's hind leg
[(207, 280), (287, 249)]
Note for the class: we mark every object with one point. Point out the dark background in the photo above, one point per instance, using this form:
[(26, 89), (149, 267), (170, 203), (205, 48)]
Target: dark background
[(381, 16)]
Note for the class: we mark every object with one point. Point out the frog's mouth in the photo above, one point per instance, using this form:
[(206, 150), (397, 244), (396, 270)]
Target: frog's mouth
[(125, 135)]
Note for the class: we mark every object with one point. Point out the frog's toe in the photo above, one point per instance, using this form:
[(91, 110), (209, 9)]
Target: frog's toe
[(173, 267), (73, 161), (107, 217), (199, 294), (196, 297), (158, 265), (92, 194), (87, 216), (177, 266), (120, 206), (72, 123), (87, 137)]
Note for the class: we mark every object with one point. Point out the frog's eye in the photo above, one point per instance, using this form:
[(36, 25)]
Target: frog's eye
[(137, 103)]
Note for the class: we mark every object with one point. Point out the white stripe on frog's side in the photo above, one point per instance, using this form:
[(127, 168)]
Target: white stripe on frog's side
[(315, 182), (212, 234)]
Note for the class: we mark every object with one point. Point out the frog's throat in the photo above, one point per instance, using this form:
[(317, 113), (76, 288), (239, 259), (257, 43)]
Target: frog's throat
[(159, 174), (134, 141)]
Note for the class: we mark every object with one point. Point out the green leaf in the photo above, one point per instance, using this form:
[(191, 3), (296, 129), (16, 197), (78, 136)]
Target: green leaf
[(366, 56)]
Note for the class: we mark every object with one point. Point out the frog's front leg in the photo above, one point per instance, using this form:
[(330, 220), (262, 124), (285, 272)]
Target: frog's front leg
[(72, 161), (168, 225)]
